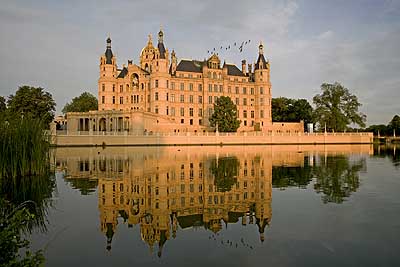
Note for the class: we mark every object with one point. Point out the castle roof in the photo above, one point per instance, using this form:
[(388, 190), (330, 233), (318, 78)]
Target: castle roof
[(233, 70), (190, 66), (196, 66), (123, 73), (161, 49), (261, 62)]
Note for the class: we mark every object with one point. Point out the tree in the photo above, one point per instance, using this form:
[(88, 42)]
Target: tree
[(34, 102), (225, 115), (3, 105), (83, 103), (394, 125), (337, 108), (291, 110)]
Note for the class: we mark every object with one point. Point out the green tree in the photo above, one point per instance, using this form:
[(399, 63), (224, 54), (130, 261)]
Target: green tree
[(34, 102), (337, 108), (225, 115), (394, 125), (3, 105), (225, 171), (381, 128), (291, 110), (83, 103)]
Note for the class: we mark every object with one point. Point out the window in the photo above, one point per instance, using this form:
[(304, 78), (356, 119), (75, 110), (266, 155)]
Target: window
[(156, 96), (132, 99), (244, 113), (261, 101), (210, 87), (214, 75), (103, 99), (244, 90), (167, 84), (191, 112), (121, 100), (182, 86), (103, 87), (182, 98), (166, 97), (210, 99), (172, 111), (191, 121), (113, 99), (182, 121), (156, 84), (167, 110), (200, 112), (221, 88), (200, 87), (215, 88), (156, 109), (245, 123), (172, 97), (244, 101), (237, 90), (182, 111), (252, 114), (190, 86), (261, 91), (210, 112), (172, 85), (200, 99), (191, 99), (215, 99), (229, 89), (262, 113), (237, 101)]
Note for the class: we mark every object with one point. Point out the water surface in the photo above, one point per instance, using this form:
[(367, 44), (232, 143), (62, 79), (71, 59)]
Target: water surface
[(225, 206)]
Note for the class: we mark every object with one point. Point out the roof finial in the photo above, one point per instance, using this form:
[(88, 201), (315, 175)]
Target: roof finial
[(160, 35), (149, 41), (261, 48)]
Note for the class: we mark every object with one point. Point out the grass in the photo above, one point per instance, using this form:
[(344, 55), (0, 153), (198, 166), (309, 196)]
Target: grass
[(25, 173)]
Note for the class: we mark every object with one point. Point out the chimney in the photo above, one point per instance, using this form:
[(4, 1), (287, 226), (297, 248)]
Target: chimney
[(130, 62), (250, 69), (244, 66)]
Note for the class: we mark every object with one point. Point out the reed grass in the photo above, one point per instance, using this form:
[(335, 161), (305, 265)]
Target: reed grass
[(24, 147), (25, 173)]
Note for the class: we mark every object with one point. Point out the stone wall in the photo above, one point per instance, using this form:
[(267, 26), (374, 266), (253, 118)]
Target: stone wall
[(252, 138)]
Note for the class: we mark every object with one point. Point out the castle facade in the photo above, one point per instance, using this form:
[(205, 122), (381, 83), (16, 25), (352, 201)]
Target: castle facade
[(160, 94)]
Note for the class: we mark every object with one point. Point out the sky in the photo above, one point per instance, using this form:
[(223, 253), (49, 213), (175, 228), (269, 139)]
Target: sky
[(57, 44)]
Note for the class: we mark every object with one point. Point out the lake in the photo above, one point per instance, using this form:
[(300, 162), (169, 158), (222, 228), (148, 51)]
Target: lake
[(224, 206)]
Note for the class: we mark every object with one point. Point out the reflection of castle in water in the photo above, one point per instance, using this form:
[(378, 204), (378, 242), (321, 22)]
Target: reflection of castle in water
[(160, 196), (164, 189)]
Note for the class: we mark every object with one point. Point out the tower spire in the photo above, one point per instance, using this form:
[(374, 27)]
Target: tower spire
[(108, 52), (261, 48)]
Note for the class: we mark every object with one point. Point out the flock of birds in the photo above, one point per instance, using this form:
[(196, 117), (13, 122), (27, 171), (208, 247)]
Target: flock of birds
[(230, 243), (239, 46)]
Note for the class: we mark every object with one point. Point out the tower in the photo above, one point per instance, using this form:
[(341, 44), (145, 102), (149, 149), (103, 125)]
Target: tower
[(108, 73), (263, 90)]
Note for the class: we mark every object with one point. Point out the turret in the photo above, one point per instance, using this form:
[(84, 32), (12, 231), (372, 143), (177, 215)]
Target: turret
[(173, 63), (261, 68), (108, 62)]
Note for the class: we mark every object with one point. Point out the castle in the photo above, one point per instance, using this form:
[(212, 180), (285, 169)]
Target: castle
[(161, 95)]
